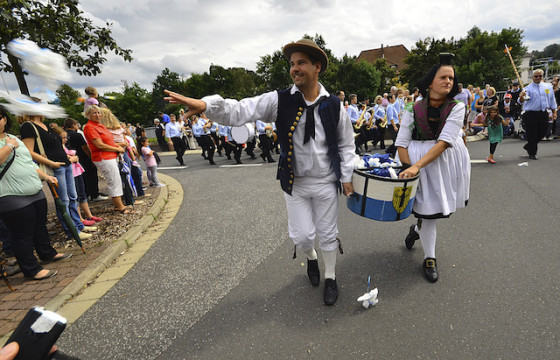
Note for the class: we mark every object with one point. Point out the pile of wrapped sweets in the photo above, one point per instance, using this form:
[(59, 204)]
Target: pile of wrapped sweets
[(380, 165)]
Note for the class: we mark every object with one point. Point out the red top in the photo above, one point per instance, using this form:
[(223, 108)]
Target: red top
[(94, 130)]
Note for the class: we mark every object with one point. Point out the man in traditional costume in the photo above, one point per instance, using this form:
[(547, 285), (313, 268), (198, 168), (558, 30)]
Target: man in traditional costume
[(317, 156)]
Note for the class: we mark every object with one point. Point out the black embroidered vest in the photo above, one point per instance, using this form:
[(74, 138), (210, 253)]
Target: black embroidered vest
[(289, 112)]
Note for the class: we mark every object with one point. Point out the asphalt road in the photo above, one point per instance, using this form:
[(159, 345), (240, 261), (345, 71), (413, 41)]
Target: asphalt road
[(221, 282)]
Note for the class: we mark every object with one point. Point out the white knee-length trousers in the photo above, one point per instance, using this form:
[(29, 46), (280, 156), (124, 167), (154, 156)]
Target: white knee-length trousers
[(313, 211)]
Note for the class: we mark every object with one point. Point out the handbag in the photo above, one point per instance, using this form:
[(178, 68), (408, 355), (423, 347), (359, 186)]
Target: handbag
[(47, 170), (158, 160)]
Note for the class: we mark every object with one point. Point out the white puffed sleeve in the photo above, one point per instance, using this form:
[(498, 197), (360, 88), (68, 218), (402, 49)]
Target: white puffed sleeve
[(453, 124), (404, 136), (236, 113), (346, 147)]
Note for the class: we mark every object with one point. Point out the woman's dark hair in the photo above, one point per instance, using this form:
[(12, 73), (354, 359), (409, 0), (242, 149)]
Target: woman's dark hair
[(69, 122), (140, 132), (4, 114), (496, 120), (424, 83)]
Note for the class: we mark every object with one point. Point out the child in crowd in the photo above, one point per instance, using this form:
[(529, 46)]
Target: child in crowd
[(151, 163), (91, 92), (77, 171), (494, 121), (478, 124)]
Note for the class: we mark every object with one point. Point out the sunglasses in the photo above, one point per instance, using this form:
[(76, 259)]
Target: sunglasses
[(537, 76)]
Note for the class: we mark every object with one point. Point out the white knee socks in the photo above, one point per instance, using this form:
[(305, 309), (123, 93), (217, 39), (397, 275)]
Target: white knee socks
[(428, 235), (311, 254), (329, 258)]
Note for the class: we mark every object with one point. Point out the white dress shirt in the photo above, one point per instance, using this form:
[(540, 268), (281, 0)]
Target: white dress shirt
[(311, 159)]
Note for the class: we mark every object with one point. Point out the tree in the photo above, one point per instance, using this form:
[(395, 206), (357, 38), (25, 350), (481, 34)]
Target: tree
[(60, 26), (387, 74), (246, 83), (275, 71), (480, 57), (69, 100), (197, 85), (221, 81), (133, 106), (422, 57), (167, 80), (552, 50)]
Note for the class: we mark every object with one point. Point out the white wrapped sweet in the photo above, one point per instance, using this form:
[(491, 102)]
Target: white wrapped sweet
[(41, 62), (24, 105), (393, 173), (373, 162), (360, 164), (369, 298)]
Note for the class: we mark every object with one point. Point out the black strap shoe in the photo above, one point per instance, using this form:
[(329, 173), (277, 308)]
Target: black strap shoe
[(331, 292), (411, 237), (313, 272), (430, 270)]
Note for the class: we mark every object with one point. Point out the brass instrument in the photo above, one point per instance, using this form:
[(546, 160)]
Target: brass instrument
[(383, 122), (206, 128), (360, 121), (369, 124)]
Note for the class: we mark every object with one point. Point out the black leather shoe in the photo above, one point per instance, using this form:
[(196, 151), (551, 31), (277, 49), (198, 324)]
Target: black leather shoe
[(313, 272), (331, 292), (411, 238), (430, 270), (533, 157)]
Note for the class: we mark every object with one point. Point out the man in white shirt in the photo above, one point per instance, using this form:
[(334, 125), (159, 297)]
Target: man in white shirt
[(353, 111), (537, 98), (340, 95), (317, 157), (173, 133)]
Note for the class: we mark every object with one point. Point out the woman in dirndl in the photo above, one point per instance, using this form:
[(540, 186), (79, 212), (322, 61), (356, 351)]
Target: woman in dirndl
[(430, 140)]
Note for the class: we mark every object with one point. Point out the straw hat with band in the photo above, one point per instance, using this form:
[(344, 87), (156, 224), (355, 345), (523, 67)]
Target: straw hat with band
[(309, 47)]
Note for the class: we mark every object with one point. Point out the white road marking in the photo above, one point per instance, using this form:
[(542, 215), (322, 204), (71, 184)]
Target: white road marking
[(171, 167), (240, 165)]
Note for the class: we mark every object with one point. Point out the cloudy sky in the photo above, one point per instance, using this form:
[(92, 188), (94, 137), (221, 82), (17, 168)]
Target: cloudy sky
[(188, 35)]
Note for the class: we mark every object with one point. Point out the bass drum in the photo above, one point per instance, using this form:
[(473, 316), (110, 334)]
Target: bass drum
[(242, 134)]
